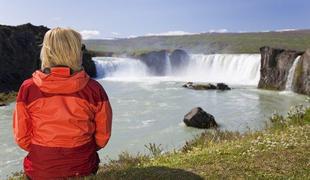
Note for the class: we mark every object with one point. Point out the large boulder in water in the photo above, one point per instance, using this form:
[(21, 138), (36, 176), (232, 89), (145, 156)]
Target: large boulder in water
[(156, 61), (275, 66), (179, 59), (199, 86), (198, 118), (206, 86)]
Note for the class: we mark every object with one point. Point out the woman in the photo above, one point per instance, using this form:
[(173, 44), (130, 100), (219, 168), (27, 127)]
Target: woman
[(62, 117)]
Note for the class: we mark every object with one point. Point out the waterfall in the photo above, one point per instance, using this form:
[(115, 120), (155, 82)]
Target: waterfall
[(119, 67), (241, 69), (229, 68), (168, 65), (290, 76)]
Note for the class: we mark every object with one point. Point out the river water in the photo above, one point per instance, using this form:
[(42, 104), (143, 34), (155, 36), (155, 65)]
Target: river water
[(151, 109)]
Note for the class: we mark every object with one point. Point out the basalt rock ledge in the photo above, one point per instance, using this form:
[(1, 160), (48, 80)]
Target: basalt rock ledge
[(20, 55), (276, 65)]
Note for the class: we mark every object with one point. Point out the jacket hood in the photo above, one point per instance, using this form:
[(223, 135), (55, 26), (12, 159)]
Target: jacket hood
[(59, 80)]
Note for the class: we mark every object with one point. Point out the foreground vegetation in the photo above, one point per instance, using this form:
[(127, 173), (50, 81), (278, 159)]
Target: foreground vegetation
[(207, 43), (281, 151)]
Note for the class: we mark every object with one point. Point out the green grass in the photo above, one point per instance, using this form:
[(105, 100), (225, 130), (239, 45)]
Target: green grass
[(281, 151)]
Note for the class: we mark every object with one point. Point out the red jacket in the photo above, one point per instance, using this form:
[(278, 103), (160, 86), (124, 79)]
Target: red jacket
[(61, 120)]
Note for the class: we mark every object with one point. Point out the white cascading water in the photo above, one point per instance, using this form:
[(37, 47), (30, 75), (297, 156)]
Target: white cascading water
[(168, 65), (290, 76), (228, 68), (112, 67), (241, 69)]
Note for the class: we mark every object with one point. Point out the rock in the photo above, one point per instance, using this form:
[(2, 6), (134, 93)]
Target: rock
[(187, 85), (207, 86), (198, 118), (101, 53), (302, 75), (20, 55), (179, 59), (88, 63), (222, 86), (275, 66), (156, 62)]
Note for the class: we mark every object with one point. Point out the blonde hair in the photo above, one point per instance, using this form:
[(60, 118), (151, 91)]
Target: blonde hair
[(62, 47)]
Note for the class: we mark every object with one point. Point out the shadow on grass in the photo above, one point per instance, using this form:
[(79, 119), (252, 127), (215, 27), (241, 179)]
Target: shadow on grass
[(154, 172)]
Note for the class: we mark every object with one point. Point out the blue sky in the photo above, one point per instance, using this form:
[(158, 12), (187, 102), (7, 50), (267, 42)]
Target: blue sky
[(127, 18)]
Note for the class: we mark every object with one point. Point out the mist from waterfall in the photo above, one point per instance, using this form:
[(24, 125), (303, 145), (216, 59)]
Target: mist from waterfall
[(241, 69)]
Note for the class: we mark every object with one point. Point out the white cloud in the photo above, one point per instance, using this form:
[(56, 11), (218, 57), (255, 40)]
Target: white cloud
[(89, 34), (218, 31), (171, 33), (284, 30), (182, 33), (279, 30), (132, 36), (115, 33), (108, 38), (242, 31)]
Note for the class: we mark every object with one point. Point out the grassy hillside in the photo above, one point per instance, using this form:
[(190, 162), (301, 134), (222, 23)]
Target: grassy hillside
[(281, 151), (207, 42)]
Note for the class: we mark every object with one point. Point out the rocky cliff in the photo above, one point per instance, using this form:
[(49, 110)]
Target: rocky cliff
[(164, 62), (302, 74), (20, 55), (156, 62), (178, 60), (88, 63), (275, 68)]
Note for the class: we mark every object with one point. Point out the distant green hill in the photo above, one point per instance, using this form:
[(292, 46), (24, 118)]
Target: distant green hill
[(207, 43)]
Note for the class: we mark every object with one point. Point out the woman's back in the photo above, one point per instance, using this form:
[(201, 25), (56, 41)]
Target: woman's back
[(61, 118)]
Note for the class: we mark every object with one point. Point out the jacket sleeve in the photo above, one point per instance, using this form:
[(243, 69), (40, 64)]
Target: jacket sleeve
[(103, 121), (22, 125)]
